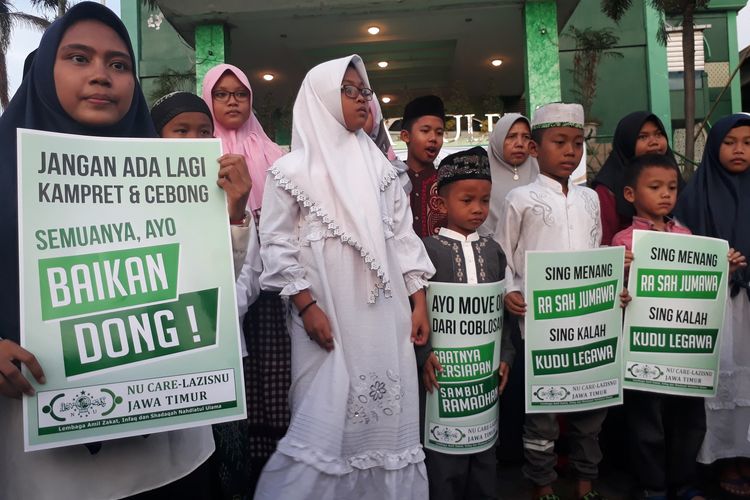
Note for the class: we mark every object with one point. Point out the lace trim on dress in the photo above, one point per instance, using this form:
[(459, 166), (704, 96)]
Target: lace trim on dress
[(344, 465), (382, 282)]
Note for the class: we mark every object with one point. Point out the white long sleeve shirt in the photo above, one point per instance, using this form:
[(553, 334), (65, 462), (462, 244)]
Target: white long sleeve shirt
[(539, 216)]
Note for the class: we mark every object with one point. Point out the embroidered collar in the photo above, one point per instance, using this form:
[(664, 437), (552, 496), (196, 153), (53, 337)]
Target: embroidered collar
[(448, 233), (553, 184)]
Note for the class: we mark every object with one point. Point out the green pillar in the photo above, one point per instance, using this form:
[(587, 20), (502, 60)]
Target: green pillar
[(211, 48), (542, 54), (734, 60), (130, 13), (658, 74)]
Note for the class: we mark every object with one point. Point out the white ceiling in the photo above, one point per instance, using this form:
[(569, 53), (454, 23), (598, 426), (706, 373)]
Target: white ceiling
[(435, 46)]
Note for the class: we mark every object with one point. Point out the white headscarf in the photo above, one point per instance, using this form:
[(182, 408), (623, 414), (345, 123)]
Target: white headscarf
[(338, 174), (503, 173)]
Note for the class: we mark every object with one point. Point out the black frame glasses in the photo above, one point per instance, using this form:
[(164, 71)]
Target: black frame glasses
[(352, 91), (224, 95)]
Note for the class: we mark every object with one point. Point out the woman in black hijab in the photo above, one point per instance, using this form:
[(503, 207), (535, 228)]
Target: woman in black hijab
[(80, 81), (637, 134), (716, 203)]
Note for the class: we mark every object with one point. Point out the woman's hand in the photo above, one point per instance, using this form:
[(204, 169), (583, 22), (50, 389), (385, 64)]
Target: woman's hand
[(317, 327), (429, 372), (12, 381), (515, 304), (736, 260), (314, 320), (235, 180), (420, 323)]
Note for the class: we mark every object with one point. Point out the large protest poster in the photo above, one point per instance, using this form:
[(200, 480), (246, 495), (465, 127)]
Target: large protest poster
[(461, 417), (679, 287), (572, 327), (126, 287)]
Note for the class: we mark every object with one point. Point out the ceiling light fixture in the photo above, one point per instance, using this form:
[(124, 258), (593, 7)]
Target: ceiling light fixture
[(383, 64), (373, 30), (496, 62), (386, 99), (268, 77)]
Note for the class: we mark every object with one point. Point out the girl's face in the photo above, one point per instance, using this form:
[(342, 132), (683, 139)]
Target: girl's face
[(650, 140), (188, 125), (734, 152), (355, 109), (516, 144), (94, 74), (231, 102)]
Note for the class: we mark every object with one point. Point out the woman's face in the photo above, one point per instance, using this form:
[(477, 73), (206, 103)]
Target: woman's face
[(516, 144), (188, 125), (231, 102), (734, 152), (650, 140), (355, 109), (94, 74)]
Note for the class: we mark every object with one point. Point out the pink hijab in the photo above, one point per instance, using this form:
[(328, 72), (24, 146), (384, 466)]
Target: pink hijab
[(249, 140)]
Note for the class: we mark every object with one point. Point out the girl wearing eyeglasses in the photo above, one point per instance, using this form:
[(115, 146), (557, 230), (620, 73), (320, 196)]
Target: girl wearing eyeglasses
[(336, 240), (229, 96)]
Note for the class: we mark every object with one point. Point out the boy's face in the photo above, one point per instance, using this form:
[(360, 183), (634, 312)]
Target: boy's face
[(466, 204), (231, 101), (559, 152), (355, 110), (516, 144), (424, 139), (654, 194), (650, 140), (734, 152), (189, 125), (93, 74)]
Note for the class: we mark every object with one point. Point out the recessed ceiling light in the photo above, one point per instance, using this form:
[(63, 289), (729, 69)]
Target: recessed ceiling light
[(373, 30), (383, 64), (385, 99), (496, 62), (268, 77)]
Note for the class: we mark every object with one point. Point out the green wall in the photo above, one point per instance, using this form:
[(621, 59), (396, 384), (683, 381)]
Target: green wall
[(161, 50), (623, 82)]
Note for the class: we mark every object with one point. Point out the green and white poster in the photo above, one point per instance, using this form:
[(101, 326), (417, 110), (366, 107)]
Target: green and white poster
[(679, 287), (573, 324), (126, 286), (461, 416)]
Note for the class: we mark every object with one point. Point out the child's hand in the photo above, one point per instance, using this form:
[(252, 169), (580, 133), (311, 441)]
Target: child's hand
[(736, 260), (503, 371), (317, 327), (429, 373), (12, 381), (515, 304), (420, 323), (625, 298), (235, 180), (628, 258)]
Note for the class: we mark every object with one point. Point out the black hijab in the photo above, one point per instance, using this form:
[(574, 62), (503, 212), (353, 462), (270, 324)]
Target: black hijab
[(35, 106), (716, 202), (612, 174)]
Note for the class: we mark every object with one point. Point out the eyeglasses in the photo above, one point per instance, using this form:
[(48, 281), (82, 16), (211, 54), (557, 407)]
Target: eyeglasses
[(223, 95), (352, 92)]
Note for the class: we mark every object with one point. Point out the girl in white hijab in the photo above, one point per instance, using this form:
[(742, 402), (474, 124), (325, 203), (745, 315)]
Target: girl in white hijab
[(510, 164), (336, 240)]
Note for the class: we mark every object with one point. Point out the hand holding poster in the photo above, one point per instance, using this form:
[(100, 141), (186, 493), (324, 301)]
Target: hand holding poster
[(573, 322), (461, 416), (126, 287), (679, 287)]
